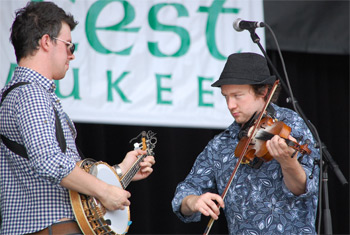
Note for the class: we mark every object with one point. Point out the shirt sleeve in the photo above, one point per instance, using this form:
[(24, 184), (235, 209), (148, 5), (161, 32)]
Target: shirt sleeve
[(36, 123), (307, 161), (200, 180)]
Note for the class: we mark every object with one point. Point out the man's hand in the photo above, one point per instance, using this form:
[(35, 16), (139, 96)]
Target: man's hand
[(280, 151), (293, 173), (146, 164), (114, 198), (110, 196), (204, 204)]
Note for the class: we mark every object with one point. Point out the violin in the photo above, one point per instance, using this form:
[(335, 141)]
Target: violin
[(265, 130)]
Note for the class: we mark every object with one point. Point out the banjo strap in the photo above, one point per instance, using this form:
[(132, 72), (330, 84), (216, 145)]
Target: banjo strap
[(20, 149)]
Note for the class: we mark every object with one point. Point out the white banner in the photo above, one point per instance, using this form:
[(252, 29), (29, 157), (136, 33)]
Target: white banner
[(146, 62)]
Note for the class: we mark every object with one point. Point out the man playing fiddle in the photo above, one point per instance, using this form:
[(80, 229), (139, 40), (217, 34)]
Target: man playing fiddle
[(265, 197)]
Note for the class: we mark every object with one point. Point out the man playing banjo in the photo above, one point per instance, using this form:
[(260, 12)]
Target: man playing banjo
[(38, 153)]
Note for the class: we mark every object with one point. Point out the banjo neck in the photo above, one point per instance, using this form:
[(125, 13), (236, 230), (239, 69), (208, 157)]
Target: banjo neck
[(91, 215), (127, 177), (148, 142)]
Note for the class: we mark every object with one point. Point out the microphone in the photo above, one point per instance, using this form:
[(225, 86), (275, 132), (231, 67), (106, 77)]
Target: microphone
[(239, 25)]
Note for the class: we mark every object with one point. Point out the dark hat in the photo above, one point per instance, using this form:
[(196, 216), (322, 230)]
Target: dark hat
[(245, 68)]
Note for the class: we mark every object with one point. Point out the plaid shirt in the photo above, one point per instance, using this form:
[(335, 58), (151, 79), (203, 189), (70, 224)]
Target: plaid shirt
[(31, 195)]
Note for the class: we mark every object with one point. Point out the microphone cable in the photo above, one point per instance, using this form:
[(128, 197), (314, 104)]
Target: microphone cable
[(312, 128)]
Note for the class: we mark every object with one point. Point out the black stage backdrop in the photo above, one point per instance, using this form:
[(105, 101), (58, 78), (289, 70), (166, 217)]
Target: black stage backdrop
[(314, 38)]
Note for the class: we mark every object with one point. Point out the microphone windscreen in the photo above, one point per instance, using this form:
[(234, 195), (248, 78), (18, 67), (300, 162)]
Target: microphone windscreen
[(236, 25)]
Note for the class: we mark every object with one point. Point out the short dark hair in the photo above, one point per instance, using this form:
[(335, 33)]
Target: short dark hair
[(35, 20), (259, 89)]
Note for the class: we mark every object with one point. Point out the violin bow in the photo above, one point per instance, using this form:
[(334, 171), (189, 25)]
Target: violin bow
[(223, 195)]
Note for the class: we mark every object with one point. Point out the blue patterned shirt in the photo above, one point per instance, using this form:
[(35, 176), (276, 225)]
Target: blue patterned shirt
[(258, 201), (31, 197)]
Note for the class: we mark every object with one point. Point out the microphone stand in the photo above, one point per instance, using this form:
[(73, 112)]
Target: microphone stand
[(328, 160), (326, 211)]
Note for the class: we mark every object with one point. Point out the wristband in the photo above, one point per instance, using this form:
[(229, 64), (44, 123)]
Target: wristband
[(118, 170)]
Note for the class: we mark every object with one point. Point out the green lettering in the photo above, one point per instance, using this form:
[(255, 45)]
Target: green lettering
[(91, 28), (10, 74), (213, 13), (114, 85), (156, 25), (161, 89), (75, 90), (201, 92)]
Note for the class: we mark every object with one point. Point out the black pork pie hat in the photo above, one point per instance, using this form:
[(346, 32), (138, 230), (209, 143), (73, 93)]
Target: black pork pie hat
[(245, 68)]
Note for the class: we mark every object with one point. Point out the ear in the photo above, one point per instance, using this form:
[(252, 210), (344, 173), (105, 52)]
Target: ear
[(265, 92), (45, 42)]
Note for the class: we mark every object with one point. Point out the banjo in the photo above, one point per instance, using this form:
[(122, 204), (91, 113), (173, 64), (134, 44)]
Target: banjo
[(91, 215)]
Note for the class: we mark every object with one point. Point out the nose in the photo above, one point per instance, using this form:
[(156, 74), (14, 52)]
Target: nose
[(71, 56), (231, 104)]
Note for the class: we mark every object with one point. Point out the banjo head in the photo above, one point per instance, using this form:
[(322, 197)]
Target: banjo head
[(91, 215), (119, 219)]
